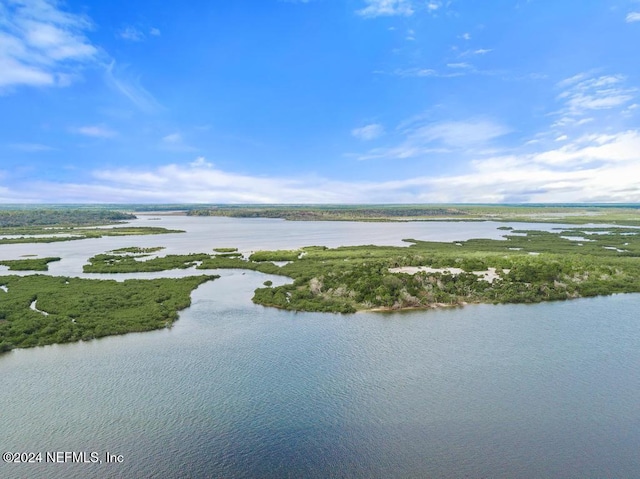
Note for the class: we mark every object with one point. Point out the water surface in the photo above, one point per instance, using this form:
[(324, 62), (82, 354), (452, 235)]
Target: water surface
[(238, 390)]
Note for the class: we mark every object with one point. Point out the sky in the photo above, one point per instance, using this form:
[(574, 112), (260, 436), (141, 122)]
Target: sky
[(319, 101)]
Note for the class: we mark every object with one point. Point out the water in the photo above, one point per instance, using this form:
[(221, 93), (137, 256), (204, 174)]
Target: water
[(205, 233), (238, 390)]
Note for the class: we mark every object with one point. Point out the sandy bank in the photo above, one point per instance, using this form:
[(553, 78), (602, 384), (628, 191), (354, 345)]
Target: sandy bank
[(490, 275)]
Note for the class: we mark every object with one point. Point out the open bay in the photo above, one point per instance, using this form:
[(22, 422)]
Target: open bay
[(238, 390)]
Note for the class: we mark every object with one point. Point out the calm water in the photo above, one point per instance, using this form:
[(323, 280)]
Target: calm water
[(237, 390), (204, 233)]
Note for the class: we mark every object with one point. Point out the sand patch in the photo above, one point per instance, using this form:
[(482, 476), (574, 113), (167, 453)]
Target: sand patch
[(490, 275)]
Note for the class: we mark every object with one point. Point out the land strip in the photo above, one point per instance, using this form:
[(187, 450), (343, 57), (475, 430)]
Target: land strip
[(570, 214), (63, 224)]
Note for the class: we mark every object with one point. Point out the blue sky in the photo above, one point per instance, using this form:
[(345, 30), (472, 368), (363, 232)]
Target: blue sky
[(319, 101)]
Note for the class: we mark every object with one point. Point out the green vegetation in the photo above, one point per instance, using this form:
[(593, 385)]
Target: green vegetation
[(117, 263), (36, 264), (528, 266), (60, 217), (279, 255), (225, 262), (227, 253), (78, 234), (329, 213), (82, 309), (31, 225), (537, 266), (570, 214), (136, 250)]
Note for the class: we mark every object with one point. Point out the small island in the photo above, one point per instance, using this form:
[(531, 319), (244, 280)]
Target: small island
[(526, 266)]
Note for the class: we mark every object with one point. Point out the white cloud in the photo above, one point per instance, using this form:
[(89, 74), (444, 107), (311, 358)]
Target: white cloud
[(584, 93), (466, 36), (200, 182), (201, 162), (596, 168), (13, 72), (173, 138), (118, 79), (455, 69), (567, 82), (134, 34), (175, 142), (40, 44), (368, 132), (379, 8), (633, 17), (415, 72), (420, 138), (478, 51), (609, 149), (460, 133), (95, 131), (420, 73), (601, 164), (458, 65), (131, 33), (388, 8), (31, 147), (568, 121)]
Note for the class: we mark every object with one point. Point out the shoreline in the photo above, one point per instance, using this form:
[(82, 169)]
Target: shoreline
[(391, 309)]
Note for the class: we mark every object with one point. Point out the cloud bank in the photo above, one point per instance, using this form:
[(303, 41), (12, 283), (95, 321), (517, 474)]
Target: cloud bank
[(593, 168)]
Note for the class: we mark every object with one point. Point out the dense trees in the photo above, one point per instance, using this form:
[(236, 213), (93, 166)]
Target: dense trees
[(82, 309), (60, 217), (31, 264), (529, 266), (573, 214), (29, 225), (131, 263)]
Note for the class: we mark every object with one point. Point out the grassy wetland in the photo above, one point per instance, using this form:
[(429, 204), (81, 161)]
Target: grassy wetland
[(65, 224), (599, 254), (571, 214), (37, 310), (527, 266), (30, 264)]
